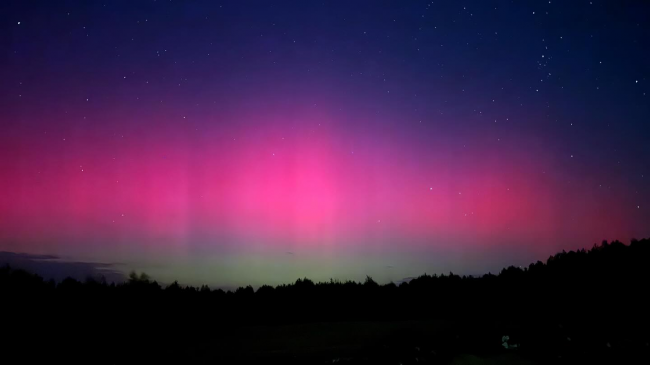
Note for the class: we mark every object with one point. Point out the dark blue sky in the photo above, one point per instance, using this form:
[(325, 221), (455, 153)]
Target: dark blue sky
[(246, 129)]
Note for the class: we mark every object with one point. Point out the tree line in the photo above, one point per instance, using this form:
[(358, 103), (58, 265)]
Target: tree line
[(598, 292)]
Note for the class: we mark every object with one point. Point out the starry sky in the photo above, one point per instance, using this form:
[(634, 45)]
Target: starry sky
[(251, 142)]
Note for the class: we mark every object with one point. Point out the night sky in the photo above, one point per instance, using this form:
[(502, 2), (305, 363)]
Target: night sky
[(251, 142)]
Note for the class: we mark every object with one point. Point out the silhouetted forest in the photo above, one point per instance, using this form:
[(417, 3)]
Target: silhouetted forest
[(581, 306)]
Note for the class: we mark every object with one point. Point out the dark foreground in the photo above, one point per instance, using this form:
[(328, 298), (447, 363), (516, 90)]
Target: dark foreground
[(411, 342), (402, 342), (578, 307)]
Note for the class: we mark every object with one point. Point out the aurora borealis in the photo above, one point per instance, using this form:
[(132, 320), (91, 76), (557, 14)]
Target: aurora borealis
[(253, 142)]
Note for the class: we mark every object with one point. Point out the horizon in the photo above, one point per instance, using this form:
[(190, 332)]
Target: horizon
[(51, 267), (249, 143)]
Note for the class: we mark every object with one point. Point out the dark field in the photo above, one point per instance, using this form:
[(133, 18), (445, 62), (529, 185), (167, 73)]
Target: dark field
[(414, 342)]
